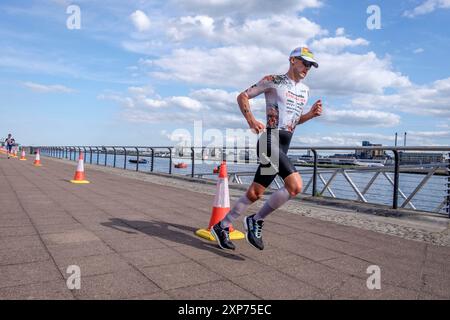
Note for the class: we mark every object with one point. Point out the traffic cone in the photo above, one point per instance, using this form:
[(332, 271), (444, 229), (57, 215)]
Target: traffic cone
[(79, 174), (37, 161), (22, 156), (221, 207), (15, 154)]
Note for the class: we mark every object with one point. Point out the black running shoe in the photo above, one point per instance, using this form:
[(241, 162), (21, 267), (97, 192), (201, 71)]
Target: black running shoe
[(222, 236), (254, 230)]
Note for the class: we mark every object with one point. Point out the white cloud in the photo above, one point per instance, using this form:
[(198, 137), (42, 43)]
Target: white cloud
[(360, 118), (286, 32), (186, 103), (143, 105), (419, 50), (349, 74), (343, 139), (187, 27), (42, 88), (240, 67), (140, 21), (221, 100), (427, 7), (230, 7), (124, 101), (237, 67), (426, 100), (337, 44), (340, 32)]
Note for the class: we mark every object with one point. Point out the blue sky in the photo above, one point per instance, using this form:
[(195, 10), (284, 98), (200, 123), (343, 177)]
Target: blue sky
[(141, 72)]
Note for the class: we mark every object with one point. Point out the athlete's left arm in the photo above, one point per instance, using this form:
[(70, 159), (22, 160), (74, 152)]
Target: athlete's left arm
[(316, 111)]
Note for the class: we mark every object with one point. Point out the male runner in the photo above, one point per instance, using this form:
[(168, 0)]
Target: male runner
[(9, 144), (286, 97)]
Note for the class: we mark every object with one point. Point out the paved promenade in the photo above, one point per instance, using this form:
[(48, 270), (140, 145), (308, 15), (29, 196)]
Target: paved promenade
[(134, 239)]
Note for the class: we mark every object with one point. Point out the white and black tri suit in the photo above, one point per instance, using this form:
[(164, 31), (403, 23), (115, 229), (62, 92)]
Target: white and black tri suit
[(285, 102)]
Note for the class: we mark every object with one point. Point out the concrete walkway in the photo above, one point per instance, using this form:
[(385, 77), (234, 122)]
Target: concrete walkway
[(134, 239)]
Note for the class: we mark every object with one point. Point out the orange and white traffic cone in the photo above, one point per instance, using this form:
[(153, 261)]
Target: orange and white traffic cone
[(37, 161), (79, 174), (221, 207), (15, 154), (22, 156)]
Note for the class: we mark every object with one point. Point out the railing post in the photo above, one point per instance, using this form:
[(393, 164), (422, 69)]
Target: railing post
[(448, 186), (137, 158), (170, 160), (314, 187), (153, 158), (90, 155), (85, 154), (106, 154), (193, 161), (98, 154), (125, 158), (396, 179), (114, 162)]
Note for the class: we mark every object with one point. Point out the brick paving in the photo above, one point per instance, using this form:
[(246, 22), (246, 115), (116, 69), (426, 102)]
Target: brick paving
[(134, 239)]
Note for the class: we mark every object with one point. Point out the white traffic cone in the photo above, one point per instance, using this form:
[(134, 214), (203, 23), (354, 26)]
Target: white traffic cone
[(221, 207), (79, 174)]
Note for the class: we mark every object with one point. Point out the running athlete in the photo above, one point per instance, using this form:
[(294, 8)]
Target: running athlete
[(9, 144), (286, 97)]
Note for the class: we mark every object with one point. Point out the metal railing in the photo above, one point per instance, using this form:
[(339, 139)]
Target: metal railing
[(322, 181)]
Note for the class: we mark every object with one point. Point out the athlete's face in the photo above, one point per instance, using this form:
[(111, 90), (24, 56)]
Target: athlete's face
[(299, 68)]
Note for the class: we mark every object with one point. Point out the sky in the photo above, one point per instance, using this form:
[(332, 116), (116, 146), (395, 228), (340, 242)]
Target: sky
[(145, 73)]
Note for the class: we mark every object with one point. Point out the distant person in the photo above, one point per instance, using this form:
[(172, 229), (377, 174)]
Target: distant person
[(10, 142), (286, 98)]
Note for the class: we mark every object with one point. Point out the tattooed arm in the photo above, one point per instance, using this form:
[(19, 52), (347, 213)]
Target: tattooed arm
[(244, 105)]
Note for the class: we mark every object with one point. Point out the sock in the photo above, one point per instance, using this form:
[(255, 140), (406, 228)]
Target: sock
[(239, 207), (276, 200)]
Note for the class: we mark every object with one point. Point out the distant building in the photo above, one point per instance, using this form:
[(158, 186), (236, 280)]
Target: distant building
[(420, 157), (343, 155), (370, 154)]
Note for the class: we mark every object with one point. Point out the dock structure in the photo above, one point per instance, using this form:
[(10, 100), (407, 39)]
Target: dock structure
[(131, 236)]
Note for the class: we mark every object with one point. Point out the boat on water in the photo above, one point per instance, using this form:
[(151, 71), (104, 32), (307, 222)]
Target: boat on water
[(180, 165), (141, 161)]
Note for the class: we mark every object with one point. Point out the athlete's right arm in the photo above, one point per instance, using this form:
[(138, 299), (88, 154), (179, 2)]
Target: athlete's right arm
[(244, 105)]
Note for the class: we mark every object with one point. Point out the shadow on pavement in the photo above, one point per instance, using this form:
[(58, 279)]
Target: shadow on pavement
[(168, 231)]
